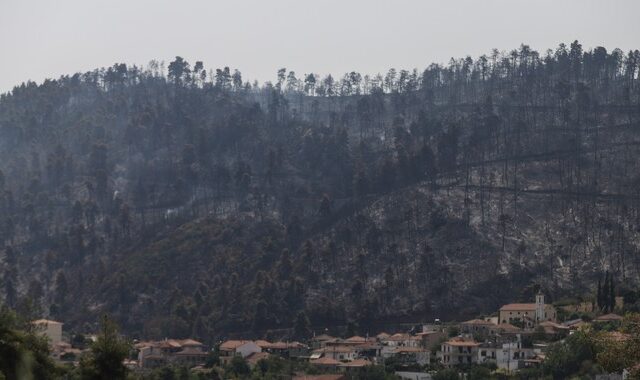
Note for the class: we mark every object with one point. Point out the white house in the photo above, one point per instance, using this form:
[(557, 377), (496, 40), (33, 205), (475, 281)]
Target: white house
[(50, 329), (232, 348)]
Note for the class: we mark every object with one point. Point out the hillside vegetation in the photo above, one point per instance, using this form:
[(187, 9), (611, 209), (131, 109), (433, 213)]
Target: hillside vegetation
[(197, 204)]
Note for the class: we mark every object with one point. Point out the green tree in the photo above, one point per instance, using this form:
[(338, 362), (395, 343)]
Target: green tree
[(105, 361)]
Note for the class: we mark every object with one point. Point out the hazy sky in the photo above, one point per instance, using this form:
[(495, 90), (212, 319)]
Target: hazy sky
[(47, 38)]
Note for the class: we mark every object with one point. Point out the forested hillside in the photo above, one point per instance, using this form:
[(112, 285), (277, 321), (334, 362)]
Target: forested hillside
[(188, 202)]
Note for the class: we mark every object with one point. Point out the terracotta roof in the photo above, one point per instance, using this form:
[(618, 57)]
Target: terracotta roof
[(460, 342), (191, 351), (608, 318), (553, 325), (356, 363), (401, 337), (45, 322), (519, 307), (507, 327), (324, 361), (322, 337), (263, 343), (189, 342), (342, 349), (409, 349), (233, 344), (356, 339), (382, 335)]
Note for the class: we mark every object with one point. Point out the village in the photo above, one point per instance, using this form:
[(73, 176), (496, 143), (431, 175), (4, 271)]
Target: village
[(514, 339)]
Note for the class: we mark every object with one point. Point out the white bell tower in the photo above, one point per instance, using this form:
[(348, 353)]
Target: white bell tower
[(540, 314)]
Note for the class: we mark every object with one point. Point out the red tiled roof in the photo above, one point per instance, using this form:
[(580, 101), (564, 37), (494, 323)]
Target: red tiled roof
[(507, 327), (519, 307), (233, 344), (356, 363), (460, 342), (324, 361), (342, 349)]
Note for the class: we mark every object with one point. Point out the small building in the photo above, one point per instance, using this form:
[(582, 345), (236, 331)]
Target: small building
[(410, 355), (51, 329), (476, 326), (320, 341), (459, 351), (431, 339), (339, 353), (242, 348), (552, 328), (509, 356)]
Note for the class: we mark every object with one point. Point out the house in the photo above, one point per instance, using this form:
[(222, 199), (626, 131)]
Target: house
[(505, 329), (458, 351), (354, 365), (242, 348), (189, 357), (369, 350), (284, 349), (340, 353), (476, 326), (409, 355), (402, 340), (431, 339), (184, 352), (51, 329), (528, 314), (552, 328), (509, 356), (321, 340)]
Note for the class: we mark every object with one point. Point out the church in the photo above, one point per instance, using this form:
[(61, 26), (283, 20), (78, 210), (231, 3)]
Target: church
[(528, 314)]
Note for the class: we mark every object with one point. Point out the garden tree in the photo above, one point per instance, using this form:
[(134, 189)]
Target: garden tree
[(566, 357), (24, 355), (105, 360)]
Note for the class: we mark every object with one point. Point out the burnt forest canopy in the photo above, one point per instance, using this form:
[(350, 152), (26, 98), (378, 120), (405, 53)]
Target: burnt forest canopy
[(185, 201)]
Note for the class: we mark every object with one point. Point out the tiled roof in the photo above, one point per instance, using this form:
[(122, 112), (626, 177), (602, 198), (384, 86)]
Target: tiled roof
[(342, 349), (46, 322), (356, 363), (324, 361), (519, 307), (460, 342), (507, 327), (233, 344)]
